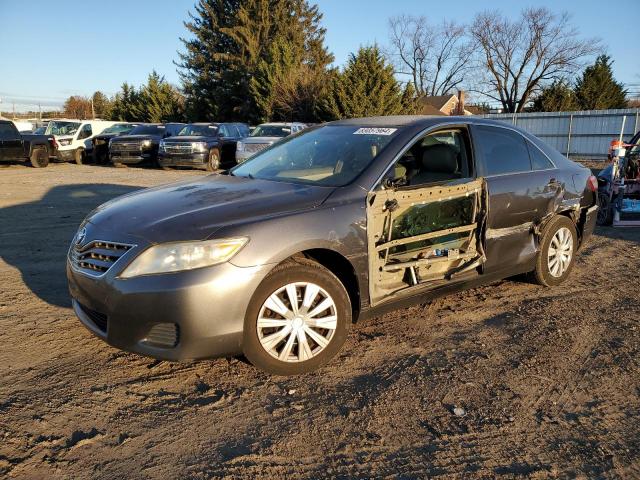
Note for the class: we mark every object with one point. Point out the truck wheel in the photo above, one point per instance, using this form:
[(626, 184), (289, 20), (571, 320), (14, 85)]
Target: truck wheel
[(39, 158), (213, 163), (78, 156), (556, 257)]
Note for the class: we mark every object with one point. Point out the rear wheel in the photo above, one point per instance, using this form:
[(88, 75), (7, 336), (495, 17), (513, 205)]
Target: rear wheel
[(39, 158), (557, 252), (213, 162), (78, 156), (298, 319)]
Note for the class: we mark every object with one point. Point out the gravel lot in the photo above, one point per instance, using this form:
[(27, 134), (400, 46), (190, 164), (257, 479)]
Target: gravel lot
[(507, 380)]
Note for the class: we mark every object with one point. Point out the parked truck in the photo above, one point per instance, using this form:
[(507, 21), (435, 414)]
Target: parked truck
[(38, 149)]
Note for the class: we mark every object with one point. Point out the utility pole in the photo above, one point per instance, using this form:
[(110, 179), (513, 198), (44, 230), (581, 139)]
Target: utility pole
[(93, 112)]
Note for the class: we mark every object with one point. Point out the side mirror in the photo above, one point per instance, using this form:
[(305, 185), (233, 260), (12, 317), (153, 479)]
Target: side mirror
[(393, 183)]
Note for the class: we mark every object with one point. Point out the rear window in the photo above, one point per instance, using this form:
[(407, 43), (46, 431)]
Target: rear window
[(7, 132)]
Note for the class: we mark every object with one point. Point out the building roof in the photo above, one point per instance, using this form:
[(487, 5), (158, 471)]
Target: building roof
[(438, 101)]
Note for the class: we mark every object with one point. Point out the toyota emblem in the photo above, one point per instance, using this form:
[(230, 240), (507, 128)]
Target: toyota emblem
[(82, 233)]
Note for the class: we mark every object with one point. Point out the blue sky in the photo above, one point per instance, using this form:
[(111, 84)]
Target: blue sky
[(50, 50)]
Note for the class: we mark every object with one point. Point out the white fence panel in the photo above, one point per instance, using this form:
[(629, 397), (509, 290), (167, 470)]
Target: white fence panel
[(585, 134)]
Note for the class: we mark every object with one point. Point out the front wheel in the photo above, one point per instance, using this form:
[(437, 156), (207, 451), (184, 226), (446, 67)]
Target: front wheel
[(557, 253), (78, 156), (298, 319), (213, 162), (39, 158)]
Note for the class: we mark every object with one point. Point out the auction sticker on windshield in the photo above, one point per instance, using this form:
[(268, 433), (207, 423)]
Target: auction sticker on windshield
[(375, 131)]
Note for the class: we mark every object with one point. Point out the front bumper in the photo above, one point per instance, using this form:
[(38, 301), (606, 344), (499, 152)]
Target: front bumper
[(65, 155), (131, 158), (207, 307), (183, 159)]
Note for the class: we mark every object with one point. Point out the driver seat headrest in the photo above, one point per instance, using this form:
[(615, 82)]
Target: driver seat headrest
[(440, 158)]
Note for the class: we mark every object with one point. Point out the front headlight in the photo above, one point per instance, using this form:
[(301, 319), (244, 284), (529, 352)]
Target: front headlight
[(175, 257), (161, 146), (146, 143), (110, 142), (199, 146), (65, 141), (240, 147)]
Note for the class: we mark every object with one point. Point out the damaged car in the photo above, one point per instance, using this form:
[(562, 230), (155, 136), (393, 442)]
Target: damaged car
[(279, 256)]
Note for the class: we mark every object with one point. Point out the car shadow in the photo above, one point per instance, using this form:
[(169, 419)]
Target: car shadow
[(35, 236)]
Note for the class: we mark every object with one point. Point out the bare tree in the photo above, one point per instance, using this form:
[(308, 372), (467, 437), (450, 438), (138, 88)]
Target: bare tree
[(77, 106), (521, 56), (435, 58)]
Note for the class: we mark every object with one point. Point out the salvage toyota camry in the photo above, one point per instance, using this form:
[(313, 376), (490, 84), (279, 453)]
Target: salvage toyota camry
[(341, 222)]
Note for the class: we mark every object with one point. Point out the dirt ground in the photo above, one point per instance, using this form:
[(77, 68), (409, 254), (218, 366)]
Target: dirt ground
[(508, 380)]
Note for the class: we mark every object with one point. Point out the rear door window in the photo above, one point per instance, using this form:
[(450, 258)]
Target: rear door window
[(503, 151), (539, 160)]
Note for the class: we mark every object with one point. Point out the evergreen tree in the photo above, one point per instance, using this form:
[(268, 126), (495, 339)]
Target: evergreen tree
[(367, 87), (242, 49), (124, 106), (557, 97), (158, 101), (101, 105), (597, 89)]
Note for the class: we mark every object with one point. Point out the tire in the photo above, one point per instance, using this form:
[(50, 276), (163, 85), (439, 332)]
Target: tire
[(213, 162), (548, 272), (39, 158), (305, 277), (78, 156), (605, 213)]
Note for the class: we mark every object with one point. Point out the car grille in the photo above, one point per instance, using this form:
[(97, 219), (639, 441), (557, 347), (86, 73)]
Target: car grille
[(97, 257), (97, 318), (255, 147), (178, 148), (126, 147)]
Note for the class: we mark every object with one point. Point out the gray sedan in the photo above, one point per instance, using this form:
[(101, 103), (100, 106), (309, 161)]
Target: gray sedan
[(342, 222)]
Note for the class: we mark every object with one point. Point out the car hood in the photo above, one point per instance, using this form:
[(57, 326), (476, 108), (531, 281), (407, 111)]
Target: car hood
[(189, 139), (194, 210), (261, 139), (133, 138)]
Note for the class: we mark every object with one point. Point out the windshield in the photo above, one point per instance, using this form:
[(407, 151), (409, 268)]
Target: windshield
[(198, 131), (271, 131), (331, 155), (119, 128), (57, 127), (148, 130)]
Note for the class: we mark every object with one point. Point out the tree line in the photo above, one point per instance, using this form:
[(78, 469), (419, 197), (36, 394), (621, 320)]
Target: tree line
[(266, 60)]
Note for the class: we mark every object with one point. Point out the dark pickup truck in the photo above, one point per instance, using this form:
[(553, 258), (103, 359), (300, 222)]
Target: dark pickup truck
[(141, 144), (101, 142), (14, 146), (203, 145)]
